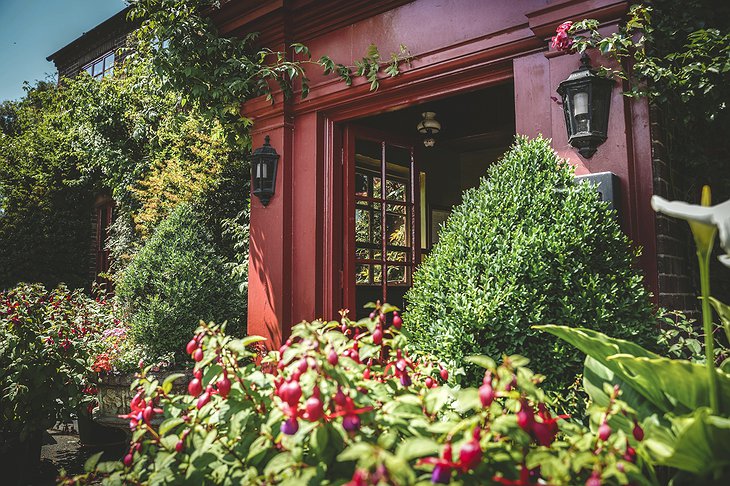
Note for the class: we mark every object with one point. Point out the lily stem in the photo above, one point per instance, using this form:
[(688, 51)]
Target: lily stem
[(704, 261)]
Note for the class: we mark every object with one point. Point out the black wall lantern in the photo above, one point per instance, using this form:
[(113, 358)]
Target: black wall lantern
[(263, 167), (586, 104)]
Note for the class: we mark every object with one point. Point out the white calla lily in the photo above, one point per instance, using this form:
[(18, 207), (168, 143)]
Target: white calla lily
[(718, 216)]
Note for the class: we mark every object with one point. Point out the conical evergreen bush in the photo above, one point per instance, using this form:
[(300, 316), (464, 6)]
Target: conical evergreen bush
[(528, 246)]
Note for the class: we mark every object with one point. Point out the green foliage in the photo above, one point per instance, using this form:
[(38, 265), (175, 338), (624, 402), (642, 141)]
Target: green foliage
[(672, 397), (175, 279), (379, 417), (219, 73), (527, 246), (47, 343), (677, 52), (44, 218)]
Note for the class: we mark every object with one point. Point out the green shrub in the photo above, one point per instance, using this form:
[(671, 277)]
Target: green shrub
[(176, 279), (528, 246)]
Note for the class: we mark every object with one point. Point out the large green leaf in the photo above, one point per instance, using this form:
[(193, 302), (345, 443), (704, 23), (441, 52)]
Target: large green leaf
[(596, 375), (723, 310), (697, 443), (684, 383), (675, 386), (600, 347)]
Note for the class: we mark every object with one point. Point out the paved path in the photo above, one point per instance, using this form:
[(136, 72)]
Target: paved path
[(62, 450)]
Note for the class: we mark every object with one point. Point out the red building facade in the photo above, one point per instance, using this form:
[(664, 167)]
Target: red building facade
[(351, 157)]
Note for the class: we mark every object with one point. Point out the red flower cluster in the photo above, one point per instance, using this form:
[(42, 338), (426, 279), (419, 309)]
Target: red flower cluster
[(102, 363), (562, 41)]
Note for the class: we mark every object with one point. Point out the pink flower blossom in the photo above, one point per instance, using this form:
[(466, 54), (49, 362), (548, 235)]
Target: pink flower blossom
[(562, 41)]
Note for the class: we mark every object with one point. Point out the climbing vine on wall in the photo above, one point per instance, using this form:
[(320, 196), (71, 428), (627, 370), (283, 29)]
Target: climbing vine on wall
[(677, 53)]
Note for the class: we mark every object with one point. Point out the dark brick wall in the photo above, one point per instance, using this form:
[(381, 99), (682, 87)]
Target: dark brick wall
[(675, 249)]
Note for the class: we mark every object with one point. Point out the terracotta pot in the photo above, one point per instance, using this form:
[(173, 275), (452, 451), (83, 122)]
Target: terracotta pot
[(114, 395)]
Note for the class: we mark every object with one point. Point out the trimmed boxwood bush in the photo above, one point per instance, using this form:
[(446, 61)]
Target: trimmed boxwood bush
[(528, 246), (175, 280)]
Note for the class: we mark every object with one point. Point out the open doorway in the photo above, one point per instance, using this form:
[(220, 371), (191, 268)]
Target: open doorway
[(398, 191)]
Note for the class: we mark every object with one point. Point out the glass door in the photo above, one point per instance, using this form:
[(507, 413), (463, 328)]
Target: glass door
[(383, 219)]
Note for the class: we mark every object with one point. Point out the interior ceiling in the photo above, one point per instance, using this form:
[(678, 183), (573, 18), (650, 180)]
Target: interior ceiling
[(477, 119)]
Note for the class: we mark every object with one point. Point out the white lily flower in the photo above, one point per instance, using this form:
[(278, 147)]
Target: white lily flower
[(718, 216)]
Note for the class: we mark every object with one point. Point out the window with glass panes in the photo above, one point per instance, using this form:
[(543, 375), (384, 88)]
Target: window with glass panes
[(102, 67), (384, 231)]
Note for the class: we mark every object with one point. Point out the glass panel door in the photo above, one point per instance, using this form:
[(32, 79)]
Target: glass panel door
[(384, 252)]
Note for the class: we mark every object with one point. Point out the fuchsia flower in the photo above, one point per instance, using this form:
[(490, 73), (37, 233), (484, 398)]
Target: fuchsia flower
[(443, 466), (562, 41), (140, 411)]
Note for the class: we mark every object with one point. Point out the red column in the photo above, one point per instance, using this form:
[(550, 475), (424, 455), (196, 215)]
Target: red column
[(269, 282)]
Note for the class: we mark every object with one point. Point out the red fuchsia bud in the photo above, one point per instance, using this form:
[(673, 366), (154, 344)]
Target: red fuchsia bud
[(302, 365), (128, 459), (429, 382), (314, 409), (180, 446), (373, 315), (340, 398), (378, 336), (486, 394), (397, 321), (290, 426), (351, 423), (594, 480), (630, 454), (195, 388), (544, 432), (204, 398), (296, 375), (147, 414), (290, 393), (198, 355), (224, 386), (441, 474), (192, 346), (470, 455), (344, 328), (444, 374), (198, 374), (360, 478), (604, 431), (332, 357), (354, 355), (525, 417), (366, 374), (638, 432)]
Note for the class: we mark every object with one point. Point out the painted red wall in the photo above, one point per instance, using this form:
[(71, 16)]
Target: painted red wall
[(458, 46)]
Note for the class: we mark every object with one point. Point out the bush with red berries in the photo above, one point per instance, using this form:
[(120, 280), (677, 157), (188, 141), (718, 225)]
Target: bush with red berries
[(342, 402), (47, 343)]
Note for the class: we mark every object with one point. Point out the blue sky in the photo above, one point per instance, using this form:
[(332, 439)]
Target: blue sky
[(31, 30)]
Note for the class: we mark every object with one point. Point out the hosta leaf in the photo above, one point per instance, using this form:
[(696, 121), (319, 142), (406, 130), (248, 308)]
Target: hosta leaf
[(600, 347), (696, 443), (684, 384), (595, 375)]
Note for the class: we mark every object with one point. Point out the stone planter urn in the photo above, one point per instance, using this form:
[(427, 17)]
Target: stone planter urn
[(114, 395)]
